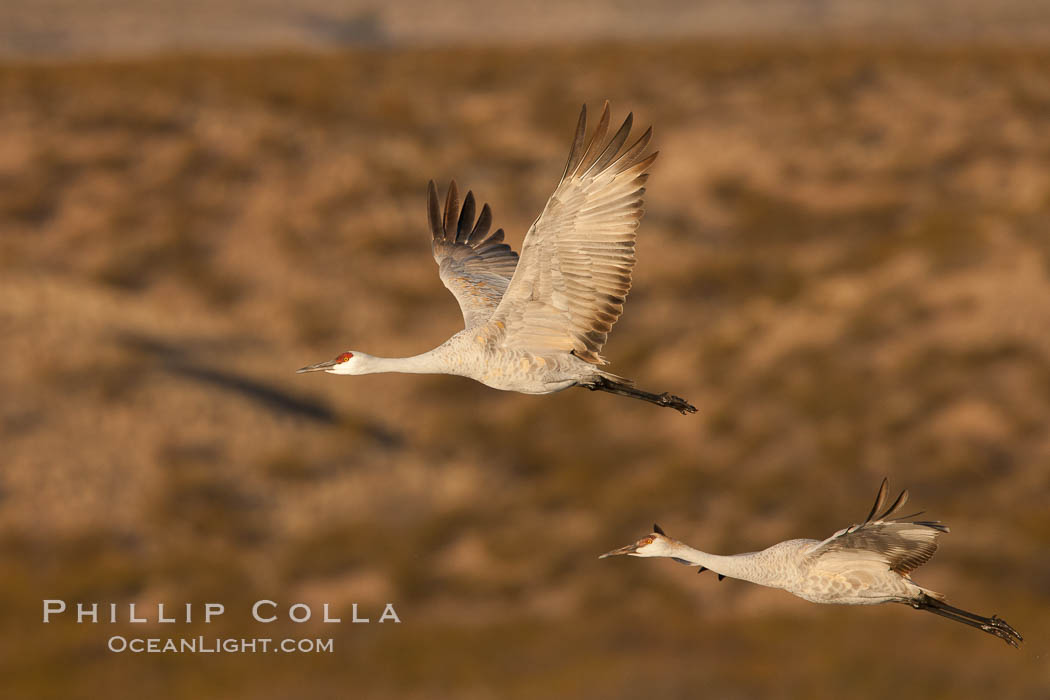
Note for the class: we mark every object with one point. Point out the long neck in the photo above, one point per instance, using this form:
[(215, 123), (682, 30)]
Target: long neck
[(430, 362), (748, 566)]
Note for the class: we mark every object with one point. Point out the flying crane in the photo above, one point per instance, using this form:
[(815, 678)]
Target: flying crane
[(862, 564), (536, 325)]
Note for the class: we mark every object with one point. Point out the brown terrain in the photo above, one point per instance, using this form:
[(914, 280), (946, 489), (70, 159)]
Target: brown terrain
[(845, 265)]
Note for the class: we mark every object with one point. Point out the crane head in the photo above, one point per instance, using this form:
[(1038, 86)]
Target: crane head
[(345, 363), (656, 544)]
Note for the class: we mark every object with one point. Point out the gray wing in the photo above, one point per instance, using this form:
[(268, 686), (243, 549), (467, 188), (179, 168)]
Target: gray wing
[(473, 265), (903, 546), (576, 261)]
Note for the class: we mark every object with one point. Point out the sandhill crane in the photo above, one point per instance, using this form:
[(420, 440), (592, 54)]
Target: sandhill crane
[(862, 564), (536, 325)]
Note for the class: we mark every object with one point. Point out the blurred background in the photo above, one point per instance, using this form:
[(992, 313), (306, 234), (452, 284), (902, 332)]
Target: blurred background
[(845, 265)]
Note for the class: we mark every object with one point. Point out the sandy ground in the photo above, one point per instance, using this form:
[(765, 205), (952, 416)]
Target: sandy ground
[(845, 265)]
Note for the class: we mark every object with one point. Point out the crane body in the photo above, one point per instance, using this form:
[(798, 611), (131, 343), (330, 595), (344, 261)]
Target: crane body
[(536, 324), (864, 564)]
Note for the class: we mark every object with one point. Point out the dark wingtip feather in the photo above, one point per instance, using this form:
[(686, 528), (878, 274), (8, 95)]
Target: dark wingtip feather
[(481, 227), (434, 211), (466, 218), (575, 151), (902, 498), (612, 149), (659, 530), (451, 208), (721, 577), (880, 498), (631, 154), (591, 153)]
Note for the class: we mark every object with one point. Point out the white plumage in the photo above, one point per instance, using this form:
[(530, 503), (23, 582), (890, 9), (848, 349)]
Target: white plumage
[(863, 564), (536, 325)]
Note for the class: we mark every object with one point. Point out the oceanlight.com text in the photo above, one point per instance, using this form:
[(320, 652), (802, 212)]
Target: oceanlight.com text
[(217, 645)]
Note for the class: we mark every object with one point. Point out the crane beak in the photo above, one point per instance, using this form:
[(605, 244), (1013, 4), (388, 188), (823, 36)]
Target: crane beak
[(622, 550), (319, 367)]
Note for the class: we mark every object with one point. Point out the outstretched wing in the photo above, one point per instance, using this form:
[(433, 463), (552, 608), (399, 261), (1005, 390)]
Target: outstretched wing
[(575, 269), (475, 266), (903, 546)]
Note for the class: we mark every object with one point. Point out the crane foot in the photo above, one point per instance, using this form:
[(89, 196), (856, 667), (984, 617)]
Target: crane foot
[(665, 399), (994, 625)]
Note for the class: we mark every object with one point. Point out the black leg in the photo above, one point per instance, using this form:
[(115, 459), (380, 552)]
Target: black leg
[(992, 625), (677, 403)]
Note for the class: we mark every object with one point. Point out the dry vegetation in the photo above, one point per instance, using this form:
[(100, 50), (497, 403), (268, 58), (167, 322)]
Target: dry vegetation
[(845, 265)]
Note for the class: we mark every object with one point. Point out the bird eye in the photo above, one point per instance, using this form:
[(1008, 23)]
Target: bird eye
[(344, 357), (647, 540)]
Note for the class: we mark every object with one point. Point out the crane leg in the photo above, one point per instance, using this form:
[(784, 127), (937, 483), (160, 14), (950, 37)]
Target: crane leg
[(992, 625), (676, 402)]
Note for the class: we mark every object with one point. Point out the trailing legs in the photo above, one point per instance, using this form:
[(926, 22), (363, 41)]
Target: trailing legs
[(992, 625), (613, 387)]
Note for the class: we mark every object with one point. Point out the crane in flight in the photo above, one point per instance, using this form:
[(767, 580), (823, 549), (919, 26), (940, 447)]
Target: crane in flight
[(862, 564), (535, 325)]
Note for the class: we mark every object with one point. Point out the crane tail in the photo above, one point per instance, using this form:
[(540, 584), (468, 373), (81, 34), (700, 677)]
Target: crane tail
[(622, 387), (993, 625)]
